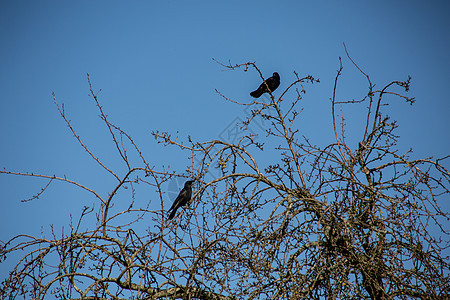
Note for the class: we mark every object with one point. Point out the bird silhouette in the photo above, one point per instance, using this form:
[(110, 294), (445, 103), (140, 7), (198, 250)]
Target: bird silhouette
[(272, 83), (183, 197)]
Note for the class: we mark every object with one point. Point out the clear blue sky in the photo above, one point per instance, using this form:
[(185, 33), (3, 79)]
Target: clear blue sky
[(153, 62)]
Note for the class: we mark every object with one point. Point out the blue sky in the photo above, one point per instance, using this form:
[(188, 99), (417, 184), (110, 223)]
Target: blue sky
[(153, 62)]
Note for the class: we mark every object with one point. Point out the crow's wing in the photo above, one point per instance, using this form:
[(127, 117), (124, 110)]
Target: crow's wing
[(272, 83), (179, 199)]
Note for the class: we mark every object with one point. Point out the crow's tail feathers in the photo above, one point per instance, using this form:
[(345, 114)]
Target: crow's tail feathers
[(172, 214), (256, 94)]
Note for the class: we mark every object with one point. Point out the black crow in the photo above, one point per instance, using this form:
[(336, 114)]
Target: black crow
[(272, 82), (183, 197)]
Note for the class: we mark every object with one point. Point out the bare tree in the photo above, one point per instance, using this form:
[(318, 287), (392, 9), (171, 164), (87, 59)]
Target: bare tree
[(341, 221)]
